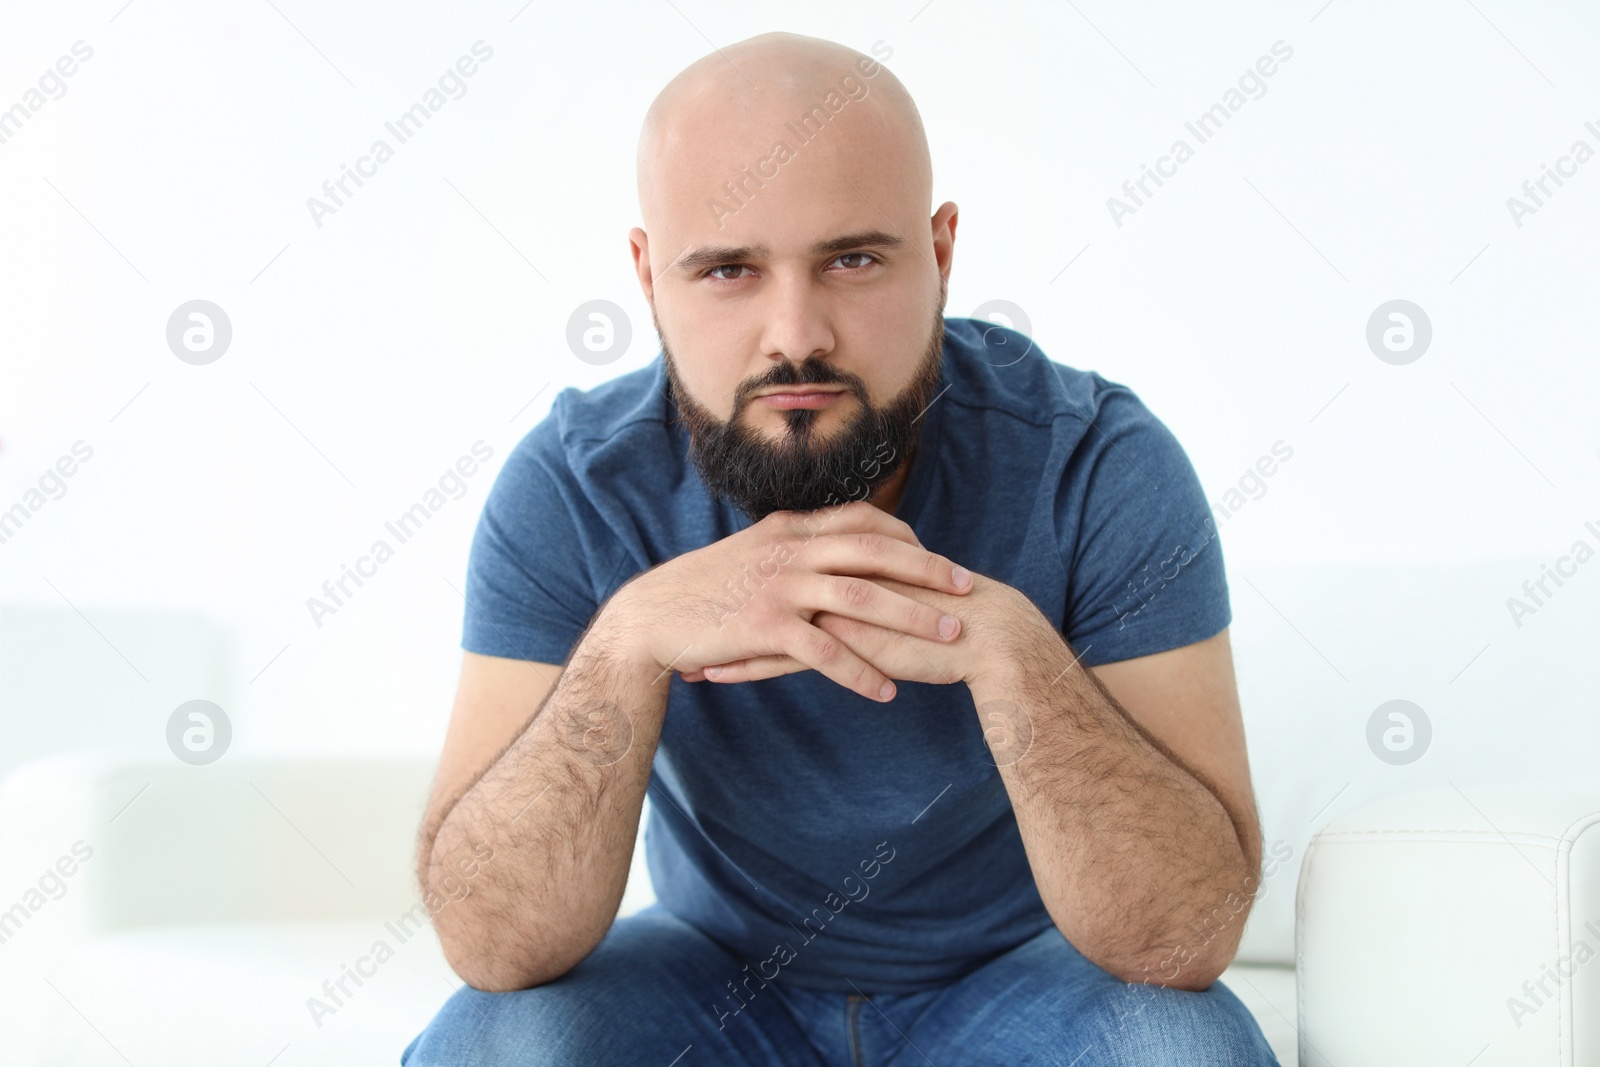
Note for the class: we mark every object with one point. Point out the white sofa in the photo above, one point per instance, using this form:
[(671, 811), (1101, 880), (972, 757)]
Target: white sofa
[(1413, 900), (1435, 927)]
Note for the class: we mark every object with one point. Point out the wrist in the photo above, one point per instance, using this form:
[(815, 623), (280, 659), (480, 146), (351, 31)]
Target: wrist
[(616, 638), (1005, 635)]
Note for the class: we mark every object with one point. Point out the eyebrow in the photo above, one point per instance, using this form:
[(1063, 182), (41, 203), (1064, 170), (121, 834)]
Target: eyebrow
[(717, 255)]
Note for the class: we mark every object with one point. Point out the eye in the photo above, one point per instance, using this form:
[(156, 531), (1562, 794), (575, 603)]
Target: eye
[(863, 261), (712, 273), (867, 256)]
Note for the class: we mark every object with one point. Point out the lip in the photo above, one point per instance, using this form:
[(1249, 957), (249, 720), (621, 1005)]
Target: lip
[(800, 397)]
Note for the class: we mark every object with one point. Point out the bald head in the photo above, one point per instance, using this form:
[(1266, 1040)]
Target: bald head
[(744, 116)]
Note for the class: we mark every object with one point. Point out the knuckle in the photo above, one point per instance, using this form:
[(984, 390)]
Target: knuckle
[(843, 627), (858, 511), (866, 681), (871, 545), (781, 525), (856, 592), (824, 649)]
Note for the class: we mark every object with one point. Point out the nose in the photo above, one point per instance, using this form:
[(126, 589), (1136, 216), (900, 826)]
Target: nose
[(797, 320)]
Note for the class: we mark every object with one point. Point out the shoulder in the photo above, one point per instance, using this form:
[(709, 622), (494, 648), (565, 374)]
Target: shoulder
[(584, 424), (1108, 459), (997, 369)]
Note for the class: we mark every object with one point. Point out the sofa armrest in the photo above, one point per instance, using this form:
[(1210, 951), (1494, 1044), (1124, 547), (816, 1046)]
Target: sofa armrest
[(1453, 926)]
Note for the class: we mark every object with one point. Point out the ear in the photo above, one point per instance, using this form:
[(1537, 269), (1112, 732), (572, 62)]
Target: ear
[(639, 245), (944, 237)]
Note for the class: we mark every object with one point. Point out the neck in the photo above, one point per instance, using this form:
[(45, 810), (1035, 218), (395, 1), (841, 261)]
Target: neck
[(887, 496)]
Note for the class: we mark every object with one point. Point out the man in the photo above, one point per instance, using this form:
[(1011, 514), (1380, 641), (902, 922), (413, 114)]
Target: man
[(810, 579)]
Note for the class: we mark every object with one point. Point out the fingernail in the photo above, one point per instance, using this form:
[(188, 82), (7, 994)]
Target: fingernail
[(947, 626), (960, 576), (887, 692), (713, 672)]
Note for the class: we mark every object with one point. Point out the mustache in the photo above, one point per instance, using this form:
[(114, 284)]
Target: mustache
[(810, 372)]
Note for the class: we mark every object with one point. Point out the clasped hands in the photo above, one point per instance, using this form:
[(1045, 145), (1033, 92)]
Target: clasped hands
[(901, 656), (847, 591)]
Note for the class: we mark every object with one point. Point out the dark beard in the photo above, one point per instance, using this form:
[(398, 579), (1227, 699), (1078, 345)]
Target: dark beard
[(798, 472)]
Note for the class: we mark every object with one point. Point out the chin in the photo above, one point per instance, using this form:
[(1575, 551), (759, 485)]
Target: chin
[(822, 422)]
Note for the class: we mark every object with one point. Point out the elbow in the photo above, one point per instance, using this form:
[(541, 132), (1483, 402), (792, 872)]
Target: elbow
[(1195, 954), (1192, 965), (497, 944), (490, 971), (489, 980), (495, 956), (1173, 968), (1191, 957), (1196, 978), (493, 979)]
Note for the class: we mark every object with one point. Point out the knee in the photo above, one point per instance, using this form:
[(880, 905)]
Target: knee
[(1143, 1025), (546, 1024)]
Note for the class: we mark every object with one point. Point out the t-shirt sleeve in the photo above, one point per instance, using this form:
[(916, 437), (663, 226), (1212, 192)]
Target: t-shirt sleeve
[(529, 590), (1145, 566)]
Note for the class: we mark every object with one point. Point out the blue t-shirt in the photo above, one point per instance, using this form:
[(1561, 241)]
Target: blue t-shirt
[(824, 838)]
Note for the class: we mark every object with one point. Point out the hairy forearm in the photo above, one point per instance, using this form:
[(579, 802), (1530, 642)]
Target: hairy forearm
[(1139, 862), (560, 810)]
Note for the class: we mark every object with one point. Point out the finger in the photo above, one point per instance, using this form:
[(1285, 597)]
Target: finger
[(870, 552), (755, 669), (863, 599), (827, 655), (872, 642), (901, 657), (858, 516)]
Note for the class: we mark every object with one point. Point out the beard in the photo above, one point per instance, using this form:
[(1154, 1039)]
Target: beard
[(800, 471)]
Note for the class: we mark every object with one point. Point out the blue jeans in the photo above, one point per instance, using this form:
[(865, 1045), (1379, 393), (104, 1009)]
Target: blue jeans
[(655, 992)]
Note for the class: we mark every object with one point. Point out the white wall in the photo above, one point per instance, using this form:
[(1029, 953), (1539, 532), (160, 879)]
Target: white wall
[(368, 354)]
